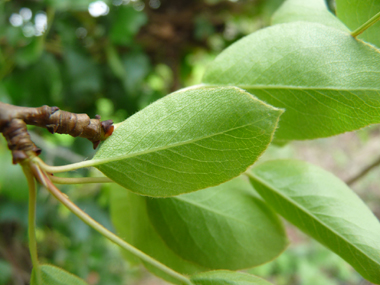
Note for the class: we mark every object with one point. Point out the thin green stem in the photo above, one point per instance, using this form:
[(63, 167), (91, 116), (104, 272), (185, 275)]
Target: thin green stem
[(80, 180), (32, 222), (366, 25), (96, 226), (63, 168)]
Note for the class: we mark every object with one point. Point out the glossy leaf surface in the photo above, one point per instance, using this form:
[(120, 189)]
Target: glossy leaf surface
[(324, 207), (355, 13), (308, 11), (223, 277), (189, 140), (327, 81), (223, 227), (130, 218), (52, 275)]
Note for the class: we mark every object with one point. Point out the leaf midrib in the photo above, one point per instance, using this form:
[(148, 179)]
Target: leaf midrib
[(95, 162), (296, 205)]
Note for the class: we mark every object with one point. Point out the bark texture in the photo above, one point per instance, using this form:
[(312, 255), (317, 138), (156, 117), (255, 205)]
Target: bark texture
[(14, 119)]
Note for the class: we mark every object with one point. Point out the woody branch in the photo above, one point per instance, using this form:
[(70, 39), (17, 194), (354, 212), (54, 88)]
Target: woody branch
[(14, 119)]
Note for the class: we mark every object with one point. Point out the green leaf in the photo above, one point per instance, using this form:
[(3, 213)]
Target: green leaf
[(136, 66), (13, 184), (83, 73), (189, 140), (48, 87), (327, 81), (223, 227), (125, 24), (322, 206), (71, 5), (52, 275), (355, 13), (6, 272), (130, 218), (308, 11), (30, 53), (223, 277)]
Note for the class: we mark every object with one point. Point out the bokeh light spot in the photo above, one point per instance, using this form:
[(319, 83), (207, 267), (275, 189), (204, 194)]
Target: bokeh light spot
[(40, 23), (15, 20), (26, 14), (98, 8), (154, 4)]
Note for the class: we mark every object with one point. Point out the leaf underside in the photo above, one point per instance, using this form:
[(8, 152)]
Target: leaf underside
[(223, 277), (192, 139), (324, 207), (52, 275), (327, 81), (308, 11), (130, 218), (355, 13), (223, 227)]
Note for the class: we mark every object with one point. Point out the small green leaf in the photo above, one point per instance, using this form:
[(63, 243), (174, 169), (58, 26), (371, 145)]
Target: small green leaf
[(223, 227), (223, 277), (308, 11), (130, 218), (327, 81), (126, 22), (189, 140), (355, 13), (52, 275), (324, 207), (13, 184), (30, 53)]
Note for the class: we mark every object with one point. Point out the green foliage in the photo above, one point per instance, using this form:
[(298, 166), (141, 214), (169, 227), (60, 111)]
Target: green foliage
[(325, 87), (355, 13), (13, 183), (307, 262), (130, 217), (166, 149), (307, 68), (223, 277), (52, 275), (307, 11), (126, 23), (6, 272), (218, 227), (322, 206)]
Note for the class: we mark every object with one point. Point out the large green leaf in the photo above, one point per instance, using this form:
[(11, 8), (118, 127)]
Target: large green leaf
[(130, 218), (308, 11), (223, 227), (354, 13), (52, 275), (223, 277), (327, 81), (322, 206), (189, 140)]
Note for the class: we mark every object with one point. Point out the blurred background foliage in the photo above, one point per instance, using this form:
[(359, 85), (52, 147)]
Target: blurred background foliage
[(113, 58)]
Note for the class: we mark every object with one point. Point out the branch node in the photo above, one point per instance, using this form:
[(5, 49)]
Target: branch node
[(19, 141), (107, 128), (13, 121), (52, 128), (54, 109)]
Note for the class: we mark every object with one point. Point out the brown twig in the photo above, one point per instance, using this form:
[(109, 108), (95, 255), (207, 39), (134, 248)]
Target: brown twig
[(362, 173), (13, 121)]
